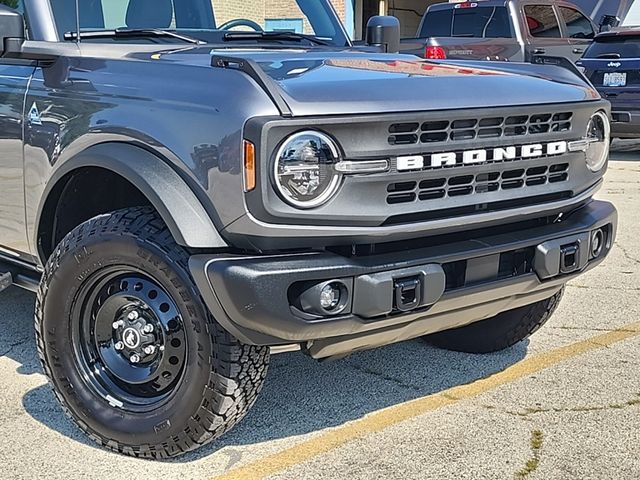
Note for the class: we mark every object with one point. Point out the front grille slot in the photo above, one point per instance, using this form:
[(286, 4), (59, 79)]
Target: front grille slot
[(453, 212), (463, 185), (442, 131), (401, 198), (402, 187)]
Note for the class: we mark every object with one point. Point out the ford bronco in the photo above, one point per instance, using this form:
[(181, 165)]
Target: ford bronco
[(189, 185)]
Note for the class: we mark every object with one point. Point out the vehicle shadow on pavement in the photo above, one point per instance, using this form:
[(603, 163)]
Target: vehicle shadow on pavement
[(300, 396)]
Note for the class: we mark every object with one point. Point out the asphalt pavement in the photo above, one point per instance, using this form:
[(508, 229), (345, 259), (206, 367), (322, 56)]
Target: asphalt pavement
[(563, 405)]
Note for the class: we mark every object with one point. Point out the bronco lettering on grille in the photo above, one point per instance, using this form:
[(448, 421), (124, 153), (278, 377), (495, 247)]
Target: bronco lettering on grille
[(471, 157)]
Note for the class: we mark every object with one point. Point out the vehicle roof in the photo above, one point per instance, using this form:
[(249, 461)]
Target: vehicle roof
[(500, 3)]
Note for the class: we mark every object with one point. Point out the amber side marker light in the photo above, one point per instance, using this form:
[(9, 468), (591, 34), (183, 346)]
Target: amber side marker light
[(249, 166)]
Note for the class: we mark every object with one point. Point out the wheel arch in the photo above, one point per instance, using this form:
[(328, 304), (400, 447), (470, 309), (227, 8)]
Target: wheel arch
[(138, 172)]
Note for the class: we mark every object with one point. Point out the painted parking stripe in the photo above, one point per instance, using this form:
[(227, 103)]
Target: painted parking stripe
[(377, 421)]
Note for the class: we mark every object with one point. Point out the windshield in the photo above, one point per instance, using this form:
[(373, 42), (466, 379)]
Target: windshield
[(206, 20)]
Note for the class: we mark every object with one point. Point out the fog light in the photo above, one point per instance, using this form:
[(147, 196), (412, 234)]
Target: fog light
[(330, 296), (325, 299), (598, 240)]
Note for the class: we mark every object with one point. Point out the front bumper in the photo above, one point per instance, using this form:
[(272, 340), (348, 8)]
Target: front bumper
[(460, 283), (625, 124)]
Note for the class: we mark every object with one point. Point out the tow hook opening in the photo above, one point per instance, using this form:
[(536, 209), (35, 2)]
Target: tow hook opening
[(569, 258), (408, 293)]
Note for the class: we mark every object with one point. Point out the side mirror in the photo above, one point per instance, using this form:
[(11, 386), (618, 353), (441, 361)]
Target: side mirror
[(607, 22), (11, 31), (384, 32)]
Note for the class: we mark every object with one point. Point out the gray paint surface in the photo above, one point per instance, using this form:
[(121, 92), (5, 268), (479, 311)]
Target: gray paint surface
[(127, 94)]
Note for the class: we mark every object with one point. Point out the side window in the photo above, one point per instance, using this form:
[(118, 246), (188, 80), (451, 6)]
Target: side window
[(578, 26), (542, 21)]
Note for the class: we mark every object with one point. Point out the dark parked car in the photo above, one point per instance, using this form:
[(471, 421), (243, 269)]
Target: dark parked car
[(612, 64), (183, 196), (514, 30)]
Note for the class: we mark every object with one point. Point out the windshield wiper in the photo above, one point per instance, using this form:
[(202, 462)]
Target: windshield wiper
[(274, 36), (132, 32), (609, 55)]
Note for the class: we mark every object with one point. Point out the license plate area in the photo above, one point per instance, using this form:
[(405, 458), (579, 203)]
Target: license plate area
[(615, 79)]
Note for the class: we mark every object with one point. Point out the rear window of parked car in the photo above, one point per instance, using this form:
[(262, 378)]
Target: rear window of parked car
[(479, 22), (615, 47)]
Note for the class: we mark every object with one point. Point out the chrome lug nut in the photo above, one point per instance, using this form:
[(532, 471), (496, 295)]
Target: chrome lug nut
[(134, 315), (118, 324), (150, 350), (119, 346), (135, 358), (161, 348), (148, 329)]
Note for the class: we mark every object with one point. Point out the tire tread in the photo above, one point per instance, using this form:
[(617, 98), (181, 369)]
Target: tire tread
[(237, 373)]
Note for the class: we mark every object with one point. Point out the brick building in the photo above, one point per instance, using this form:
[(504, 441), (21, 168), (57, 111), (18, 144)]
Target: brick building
[(275, 14)]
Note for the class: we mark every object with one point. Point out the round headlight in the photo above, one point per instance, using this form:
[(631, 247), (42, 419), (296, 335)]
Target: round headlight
[(304, 173), (599, 138)]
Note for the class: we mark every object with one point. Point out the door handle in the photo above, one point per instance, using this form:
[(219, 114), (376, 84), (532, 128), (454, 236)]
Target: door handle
[(539, 51), (578, 50)]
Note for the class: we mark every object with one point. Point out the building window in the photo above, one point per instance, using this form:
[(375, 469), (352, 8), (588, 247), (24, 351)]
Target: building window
[(285, 25)]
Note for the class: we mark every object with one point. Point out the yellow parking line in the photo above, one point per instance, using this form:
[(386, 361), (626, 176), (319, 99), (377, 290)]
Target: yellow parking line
[(396, 414)]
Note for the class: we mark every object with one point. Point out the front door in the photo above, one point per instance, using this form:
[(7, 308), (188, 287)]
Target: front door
[(14, 79), (579, 29)]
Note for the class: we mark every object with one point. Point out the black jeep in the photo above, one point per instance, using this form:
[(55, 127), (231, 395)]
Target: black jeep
[(187, 187)]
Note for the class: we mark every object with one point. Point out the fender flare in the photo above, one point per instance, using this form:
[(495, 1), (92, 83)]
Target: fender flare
[(184, 215)]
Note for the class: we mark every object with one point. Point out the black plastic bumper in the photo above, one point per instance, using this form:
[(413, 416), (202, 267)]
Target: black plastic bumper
[(252, 297), (625, 124)]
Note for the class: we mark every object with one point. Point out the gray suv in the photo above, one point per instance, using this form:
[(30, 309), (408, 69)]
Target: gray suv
[(187, 187)]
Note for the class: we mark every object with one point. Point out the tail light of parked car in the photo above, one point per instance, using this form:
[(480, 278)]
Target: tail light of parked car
[(435, 53)]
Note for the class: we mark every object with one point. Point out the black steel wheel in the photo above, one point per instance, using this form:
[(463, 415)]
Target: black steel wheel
[(129, 339), (133, 355)]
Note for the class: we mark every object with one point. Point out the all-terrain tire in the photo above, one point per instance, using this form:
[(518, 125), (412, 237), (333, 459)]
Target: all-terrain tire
[(499, 332), (220, 379)]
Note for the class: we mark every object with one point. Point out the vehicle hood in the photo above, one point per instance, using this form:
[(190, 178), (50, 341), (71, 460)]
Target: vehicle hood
[(319, 82)]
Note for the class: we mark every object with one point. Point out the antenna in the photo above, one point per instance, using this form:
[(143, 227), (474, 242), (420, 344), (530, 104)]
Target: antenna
[(77, 21)]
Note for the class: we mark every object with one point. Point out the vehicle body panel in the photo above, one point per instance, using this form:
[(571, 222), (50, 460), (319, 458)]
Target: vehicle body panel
[(194, 129), (14, 81)]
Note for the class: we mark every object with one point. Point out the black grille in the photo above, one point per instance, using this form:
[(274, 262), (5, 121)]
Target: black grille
[(440, 131), (461, 185)]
